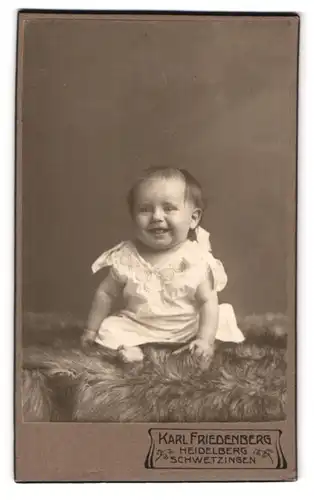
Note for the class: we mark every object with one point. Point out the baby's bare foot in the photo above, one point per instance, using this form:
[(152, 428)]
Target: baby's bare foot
[(130, 354)]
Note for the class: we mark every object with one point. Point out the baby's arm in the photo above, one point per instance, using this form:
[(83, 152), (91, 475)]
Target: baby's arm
[(101, 307), (208, 317), (208, 320)]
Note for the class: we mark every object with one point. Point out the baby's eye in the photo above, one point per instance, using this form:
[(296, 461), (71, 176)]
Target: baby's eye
[(144, 210), (170, 208)]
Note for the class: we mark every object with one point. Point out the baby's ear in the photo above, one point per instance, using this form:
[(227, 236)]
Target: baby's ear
[(196, 217)]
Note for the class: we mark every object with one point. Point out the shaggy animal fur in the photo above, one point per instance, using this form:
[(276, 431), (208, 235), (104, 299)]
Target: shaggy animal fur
[(244, 382)]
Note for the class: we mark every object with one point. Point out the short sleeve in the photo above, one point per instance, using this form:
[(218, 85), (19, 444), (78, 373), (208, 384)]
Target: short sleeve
[(111, 285), (201, 263), (218, 272), (117, 276), (118, 259)]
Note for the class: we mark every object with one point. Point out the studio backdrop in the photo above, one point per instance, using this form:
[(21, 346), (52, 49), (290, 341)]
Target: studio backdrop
[(214, 98)]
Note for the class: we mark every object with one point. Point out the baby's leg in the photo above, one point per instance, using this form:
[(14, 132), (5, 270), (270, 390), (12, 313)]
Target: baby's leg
[(121, 334), (130, 354)]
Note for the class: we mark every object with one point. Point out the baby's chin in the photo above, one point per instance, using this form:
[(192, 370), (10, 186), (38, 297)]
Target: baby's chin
[(159, 244)]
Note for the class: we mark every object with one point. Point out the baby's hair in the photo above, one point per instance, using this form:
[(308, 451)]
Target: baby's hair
[(193, 190)]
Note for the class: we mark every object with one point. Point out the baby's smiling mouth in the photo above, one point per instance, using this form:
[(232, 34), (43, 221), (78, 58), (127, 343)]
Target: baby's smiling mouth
[(158, 230)]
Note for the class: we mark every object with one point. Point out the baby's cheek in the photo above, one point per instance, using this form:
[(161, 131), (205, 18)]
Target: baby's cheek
[(178, 220), (141, 221)]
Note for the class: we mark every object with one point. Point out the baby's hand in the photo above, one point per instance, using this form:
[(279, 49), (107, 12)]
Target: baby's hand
[(202, 348), (87, 338)]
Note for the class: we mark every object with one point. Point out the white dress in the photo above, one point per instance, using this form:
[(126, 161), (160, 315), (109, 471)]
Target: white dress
[(159, 300)]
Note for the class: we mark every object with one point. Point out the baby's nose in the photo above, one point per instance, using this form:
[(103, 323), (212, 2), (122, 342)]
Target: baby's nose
[(158, 214)]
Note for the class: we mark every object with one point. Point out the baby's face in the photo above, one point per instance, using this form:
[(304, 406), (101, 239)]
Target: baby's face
[(162, 215)]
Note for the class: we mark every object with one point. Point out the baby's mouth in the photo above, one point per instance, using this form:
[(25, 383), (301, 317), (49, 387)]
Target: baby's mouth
[(158, 230)]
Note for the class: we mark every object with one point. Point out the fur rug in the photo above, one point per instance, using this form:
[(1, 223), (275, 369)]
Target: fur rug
[(244, 382)]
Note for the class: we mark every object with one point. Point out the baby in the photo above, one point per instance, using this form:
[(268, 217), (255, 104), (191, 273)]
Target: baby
[(167, 275)]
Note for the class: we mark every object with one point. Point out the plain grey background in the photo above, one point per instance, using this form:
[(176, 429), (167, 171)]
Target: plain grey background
[(103, 99)]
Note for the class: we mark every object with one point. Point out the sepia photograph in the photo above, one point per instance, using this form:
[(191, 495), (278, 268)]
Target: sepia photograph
[(156, 227)]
